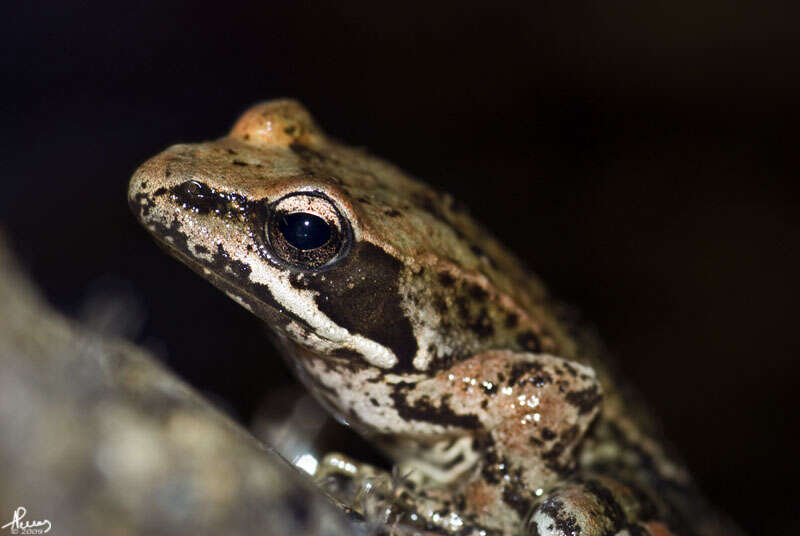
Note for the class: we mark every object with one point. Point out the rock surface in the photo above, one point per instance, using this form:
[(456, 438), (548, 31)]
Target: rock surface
[(97, 437)]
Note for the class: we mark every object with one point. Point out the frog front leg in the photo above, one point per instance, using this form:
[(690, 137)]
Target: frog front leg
[(530, 411), (511, 423)]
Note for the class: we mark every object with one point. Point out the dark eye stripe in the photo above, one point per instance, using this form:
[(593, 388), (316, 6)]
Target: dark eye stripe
[(202, 199)]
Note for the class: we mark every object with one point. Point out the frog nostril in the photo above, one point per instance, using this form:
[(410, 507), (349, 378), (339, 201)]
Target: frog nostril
[(304, 231), (192, 188)]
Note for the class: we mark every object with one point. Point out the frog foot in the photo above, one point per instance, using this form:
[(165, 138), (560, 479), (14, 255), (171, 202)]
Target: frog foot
[(392, 499)]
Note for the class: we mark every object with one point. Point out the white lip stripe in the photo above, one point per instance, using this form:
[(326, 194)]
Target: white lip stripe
[(301, 303)]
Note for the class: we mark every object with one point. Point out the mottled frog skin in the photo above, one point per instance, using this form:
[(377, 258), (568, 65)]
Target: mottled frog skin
[(413, 325)]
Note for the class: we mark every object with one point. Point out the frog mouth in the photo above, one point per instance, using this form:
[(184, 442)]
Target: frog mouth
[(232, 278), (235, 282)]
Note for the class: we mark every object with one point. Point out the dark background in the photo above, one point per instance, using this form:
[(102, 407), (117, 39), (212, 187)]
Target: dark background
[(641, 158)]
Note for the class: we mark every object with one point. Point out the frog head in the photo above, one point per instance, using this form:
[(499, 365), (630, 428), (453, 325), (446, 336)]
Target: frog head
[(345, 257)]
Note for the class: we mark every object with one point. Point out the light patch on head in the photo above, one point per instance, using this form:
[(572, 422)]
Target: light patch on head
[(425, 322), (427, 337)]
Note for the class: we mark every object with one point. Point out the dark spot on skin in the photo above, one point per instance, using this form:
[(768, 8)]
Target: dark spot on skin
[(517, 500), (477, 251), (167, 172), (552, 456), (289, 130), (519, 371), (489, 388), (481, 254), (445, 361), (364, 201), (346, 353), (512, 320), (392, 213), (199, 248), (484, 403), (446, 279), (239, 163), (463, 306), (247, 136), (424, 410), (477, 292), (226, 265), (360, 293), (231, 151), (428, 202), (493, 469), (585, 400), (548, 434), (307, 153), (347, 359), (161, 191), (142, 204), (143, 184), (529, 341), (611, 508), (374, 401), (440, 305), (563, 521), (482, 326), (539, 380)]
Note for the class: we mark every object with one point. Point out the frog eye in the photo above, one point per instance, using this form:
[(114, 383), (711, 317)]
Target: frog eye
[(306, 230)]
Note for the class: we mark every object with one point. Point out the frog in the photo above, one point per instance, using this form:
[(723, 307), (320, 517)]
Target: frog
[(411, 324)]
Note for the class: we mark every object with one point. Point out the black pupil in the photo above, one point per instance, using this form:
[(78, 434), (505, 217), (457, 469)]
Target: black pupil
[(304, 231)]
